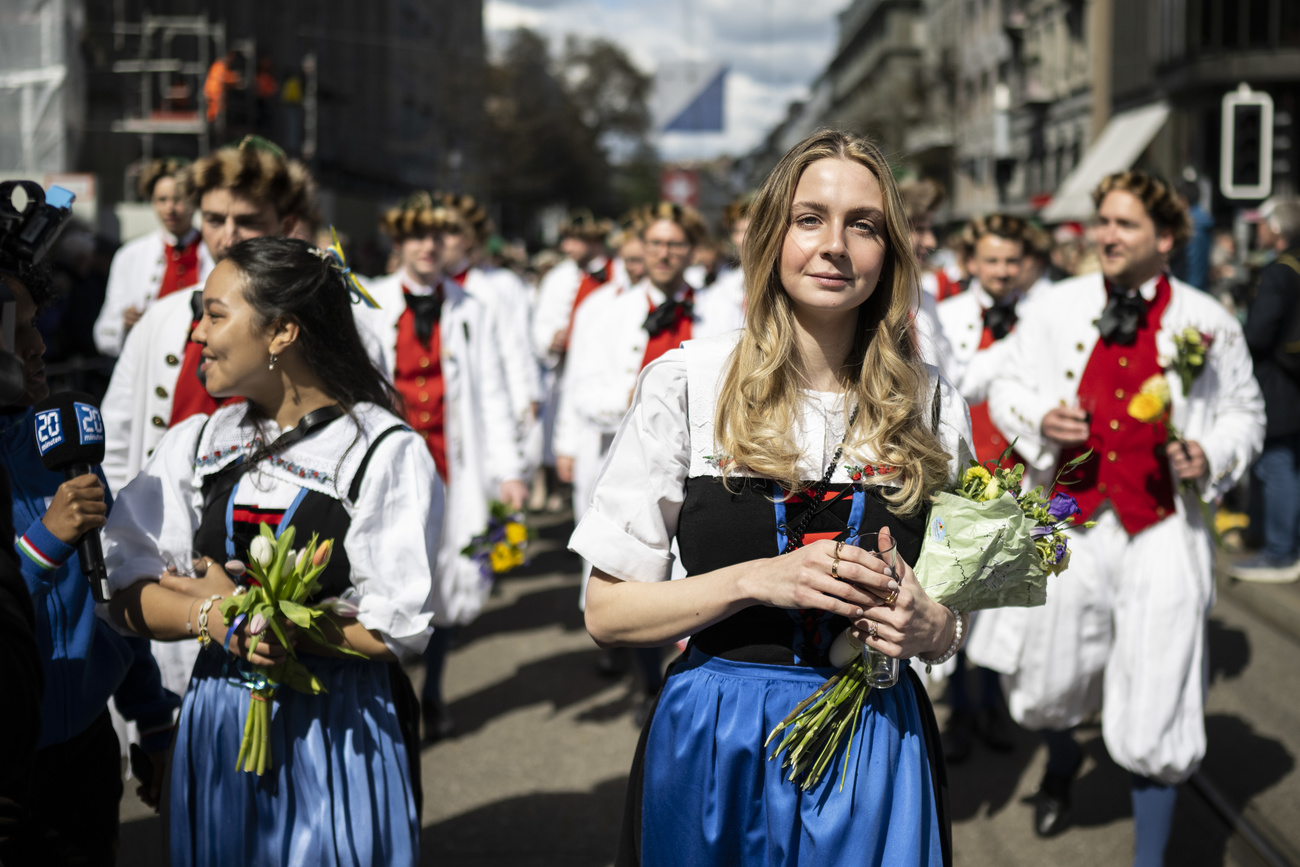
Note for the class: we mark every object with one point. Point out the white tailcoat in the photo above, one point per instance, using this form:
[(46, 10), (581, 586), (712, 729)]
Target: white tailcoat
[(482, 450), (961, 319), (1124, 625), (510, 303), (138, 403), (133, 281)]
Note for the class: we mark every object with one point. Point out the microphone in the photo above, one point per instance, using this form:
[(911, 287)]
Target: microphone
[(70, 438)]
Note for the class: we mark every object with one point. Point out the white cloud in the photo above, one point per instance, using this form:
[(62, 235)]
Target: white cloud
[(774, 48)]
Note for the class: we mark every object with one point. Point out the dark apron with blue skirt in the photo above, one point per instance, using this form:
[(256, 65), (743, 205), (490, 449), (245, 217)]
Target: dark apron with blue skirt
[(701, 788)]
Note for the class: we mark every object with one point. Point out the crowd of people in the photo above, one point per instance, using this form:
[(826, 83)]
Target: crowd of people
[(725, 423)]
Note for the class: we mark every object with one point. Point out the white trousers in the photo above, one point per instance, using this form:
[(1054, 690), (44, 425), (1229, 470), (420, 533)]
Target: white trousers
[(1124, 630)]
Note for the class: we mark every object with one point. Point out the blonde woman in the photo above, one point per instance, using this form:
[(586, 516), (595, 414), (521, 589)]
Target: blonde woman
[(817, 424)]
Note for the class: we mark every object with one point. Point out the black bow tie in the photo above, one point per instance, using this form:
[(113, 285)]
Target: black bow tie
[(1123, 315), (427, 310), (663, 316), (999, 318)]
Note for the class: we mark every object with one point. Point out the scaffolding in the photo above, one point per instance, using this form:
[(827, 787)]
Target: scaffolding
[(174, 56), (40, 86)]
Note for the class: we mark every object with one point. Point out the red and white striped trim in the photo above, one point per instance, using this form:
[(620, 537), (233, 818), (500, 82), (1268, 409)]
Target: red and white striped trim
[(34, 554)]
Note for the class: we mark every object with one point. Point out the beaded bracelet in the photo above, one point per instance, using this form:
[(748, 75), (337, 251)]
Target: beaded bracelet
[(952, 648), (204, 637)]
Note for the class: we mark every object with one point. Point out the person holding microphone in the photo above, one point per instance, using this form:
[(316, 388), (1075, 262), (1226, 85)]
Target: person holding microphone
[(85, 660)]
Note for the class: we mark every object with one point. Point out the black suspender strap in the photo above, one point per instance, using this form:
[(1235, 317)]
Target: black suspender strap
[(354, 490)]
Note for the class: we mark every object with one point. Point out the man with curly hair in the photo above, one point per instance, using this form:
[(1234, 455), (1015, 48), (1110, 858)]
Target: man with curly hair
[(247, 191), (1124, 629)]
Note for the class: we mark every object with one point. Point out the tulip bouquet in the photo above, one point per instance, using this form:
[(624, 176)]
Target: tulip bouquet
[(989, 545), (503, 545), (279, 581)]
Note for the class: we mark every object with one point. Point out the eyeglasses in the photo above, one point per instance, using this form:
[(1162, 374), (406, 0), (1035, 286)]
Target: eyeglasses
[(673, 246)]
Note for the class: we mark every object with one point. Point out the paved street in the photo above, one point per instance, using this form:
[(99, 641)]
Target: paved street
[(537, 773)]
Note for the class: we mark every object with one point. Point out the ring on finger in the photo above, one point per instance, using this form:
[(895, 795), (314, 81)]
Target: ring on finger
[(835, 568), (871, 630), (839, 546), (892, 597)]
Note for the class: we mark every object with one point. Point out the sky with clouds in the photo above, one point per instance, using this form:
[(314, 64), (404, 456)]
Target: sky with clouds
[(774, 49)]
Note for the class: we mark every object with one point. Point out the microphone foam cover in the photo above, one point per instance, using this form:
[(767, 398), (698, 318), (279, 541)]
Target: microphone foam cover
[(69, 430)]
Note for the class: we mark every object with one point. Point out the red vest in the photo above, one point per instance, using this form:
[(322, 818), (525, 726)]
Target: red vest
[(590, 283), (671, 337), (182, 266), (945, 286), (418, 378), (989, 443), (1129, 466)]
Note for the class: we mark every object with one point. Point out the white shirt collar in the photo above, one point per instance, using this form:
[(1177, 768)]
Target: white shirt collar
[(986, 300), (171, 240), (415, 287), (1148, 289)]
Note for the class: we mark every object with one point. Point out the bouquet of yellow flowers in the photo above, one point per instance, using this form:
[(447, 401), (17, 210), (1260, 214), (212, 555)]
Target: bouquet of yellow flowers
[(503, 546), (279, 581), (988, 545)]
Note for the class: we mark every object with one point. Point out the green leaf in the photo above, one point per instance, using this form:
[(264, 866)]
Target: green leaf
[(279, 633), (266, 531), (299, 615)]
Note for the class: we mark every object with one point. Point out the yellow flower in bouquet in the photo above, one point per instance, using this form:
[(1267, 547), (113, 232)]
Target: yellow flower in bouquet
[(501, 557), (1151, 402), (516, 533)]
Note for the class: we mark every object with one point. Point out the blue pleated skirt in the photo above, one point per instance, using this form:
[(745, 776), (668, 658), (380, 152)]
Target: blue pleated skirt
[(338, 787), (710, 795)]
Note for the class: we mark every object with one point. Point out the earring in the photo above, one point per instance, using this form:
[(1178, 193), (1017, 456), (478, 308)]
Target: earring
[(274, 359)]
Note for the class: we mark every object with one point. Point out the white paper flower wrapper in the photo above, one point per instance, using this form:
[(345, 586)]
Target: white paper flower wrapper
[(977, 555)]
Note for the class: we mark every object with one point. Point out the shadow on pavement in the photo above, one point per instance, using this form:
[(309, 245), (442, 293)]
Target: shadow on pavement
[(577, 829), (140, 843), (533, 609), (1229, 651), (559, 680)]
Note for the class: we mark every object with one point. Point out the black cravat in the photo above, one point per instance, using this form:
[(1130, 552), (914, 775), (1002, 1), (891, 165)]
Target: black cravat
[(665, 314), (427, 310), (1123, 315), (999, 318)]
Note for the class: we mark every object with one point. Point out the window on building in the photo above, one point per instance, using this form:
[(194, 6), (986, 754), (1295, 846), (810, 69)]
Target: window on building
[(1289, 32), (1230, 22), (1258, 18)]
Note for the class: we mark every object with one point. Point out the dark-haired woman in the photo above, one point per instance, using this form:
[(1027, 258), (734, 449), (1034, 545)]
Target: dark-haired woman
[(315, 446), (760, 454)]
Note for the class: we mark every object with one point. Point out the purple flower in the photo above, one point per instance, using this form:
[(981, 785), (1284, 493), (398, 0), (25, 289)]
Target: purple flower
[(1062, 506), (1059, 552), (1040, 532)]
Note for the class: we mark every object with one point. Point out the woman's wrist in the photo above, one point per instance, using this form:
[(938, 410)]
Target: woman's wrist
[(946, 638)]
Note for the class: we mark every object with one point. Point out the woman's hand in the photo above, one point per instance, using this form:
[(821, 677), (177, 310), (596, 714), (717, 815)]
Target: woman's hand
[(902, 621), (803, 579), (269, 650), (213, 580)]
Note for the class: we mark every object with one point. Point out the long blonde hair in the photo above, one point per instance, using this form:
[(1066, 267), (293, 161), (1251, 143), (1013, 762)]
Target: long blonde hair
[(883, 375)]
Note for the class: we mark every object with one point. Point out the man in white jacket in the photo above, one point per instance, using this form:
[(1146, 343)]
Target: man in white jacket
[(975, 324), (242, 192), (509, 301), (440, 346), (616, 333), (1124, 628), (171, 258)]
